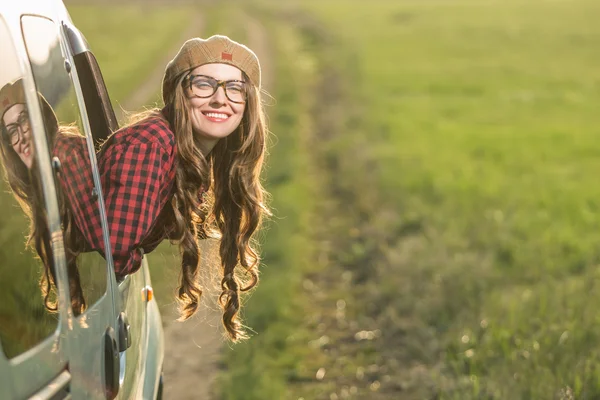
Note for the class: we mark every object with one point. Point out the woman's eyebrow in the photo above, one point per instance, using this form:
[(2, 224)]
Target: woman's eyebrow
[(217, 79)]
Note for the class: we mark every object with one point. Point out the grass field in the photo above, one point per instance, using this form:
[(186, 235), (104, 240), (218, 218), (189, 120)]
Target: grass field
[(461, 142)]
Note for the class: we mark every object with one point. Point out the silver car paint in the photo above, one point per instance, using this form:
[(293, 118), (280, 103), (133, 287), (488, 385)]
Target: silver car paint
[(77, 340)]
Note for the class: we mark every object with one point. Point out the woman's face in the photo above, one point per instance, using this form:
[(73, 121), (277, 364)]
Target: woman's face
[(16, 121), (216, 116)]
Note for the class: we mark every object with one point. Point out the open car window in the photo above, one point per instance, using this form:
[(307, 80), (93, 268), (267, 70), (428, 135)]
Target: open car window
[(97, 101)]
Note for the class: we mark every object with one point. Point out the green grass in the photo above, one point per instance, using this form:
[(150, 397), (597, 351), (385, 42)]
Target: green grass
[(481, 122), (507, 91), (464, 166)]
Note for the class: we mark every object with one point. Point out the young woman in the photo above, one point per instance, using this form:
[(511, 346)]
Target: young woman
[(191, 170), (18, 157)]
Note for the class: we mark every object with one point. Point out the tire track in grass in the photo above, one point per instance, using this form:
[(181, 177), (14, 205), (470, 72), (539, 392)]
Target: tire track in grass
[(337, 320), (372, 350), (192, 347)]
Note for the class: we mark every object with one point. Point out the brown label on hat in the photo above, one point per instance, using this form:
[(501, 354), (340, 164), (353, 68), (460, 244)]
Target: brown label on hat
[(226, 56)]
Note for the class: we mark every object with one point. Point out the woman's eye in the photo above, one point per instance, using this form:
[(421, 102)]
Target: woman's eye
[(234, 88), (203, 85)]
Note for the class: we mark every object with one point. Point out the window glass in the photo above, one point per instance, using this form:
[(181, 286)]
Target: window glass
[(76, 195), (24, 318)]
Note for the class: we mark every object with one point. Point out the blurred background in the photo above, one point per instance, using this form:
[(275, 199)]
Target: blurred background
[(434, 178)]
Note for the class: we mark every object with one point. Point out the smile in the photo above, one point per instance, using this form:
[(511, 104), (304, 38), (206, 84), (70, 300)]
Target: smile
[(215, 116)]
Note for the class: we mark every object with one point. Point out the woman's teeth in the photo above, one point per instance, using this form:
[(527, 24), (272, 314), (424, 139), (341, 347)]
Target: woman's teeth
[(216, 115)]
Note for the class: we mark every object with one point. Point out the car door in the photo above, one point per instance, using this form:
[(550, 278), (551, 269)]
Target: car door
[(33, 345), (93, 324)]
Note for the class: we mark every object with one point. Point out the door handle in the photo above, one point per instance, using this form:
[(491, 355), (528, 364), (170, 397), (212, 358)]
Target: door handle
[(124, 332), (111, 365)]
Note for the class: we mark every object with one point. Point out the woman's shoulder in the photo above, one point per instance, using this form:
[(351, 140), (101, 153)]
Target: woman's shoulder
[(153, 129)]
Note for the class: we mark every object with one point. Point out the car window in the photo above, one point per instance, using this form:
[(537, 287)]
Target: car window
[(97, 102), (76, 195), (24, 320)]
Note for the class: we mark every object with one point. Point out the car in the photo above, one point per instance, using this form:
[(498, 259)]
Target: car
[(90, 335)]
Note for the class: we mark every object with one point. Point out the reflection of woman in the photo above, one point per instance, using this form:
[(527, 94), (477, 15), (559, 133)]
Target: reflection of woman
[(18, 158), (208, 142)]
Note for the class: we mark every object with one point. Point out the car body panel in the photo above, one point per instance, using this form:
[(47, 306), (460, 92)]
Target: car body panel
[(73, 356), (38, 366)]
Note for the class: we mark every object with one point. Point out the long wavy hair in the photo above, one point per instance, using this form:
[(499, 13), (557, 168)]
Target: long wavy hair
[(26, 186), (233, 204)]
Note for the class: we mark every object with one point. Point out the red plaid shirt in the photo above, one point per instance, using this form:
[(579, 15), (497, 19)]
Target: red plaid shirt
[(137, 170)]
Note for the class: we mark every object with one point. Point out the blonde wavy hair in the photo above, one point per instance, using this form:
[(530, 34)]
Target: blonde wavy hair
[(234, 202)]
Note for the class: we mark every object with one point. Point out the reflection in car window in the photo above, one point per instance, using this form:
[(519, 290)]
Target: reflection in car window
[(24, 320), (80, 217)]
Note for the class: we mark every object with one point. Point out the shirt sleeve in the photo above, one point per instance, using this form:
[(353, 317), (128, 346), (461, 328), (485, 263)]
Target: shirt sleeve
[(77, 184), (132, 176)]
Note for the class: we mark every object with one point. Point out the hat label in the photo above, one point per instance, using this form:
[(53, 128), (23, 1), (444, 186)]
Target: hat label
[(5, 102), (226, 56)]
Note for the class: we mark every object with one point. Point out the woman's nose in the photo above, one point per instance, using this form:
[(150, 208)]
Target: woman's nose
[(25, 132), (219, 96)]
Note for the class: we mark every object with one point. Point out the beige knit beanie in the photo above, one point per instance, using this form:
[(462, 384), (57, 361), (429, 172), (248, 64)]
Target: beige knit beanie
[(216, 49), (11, 94)]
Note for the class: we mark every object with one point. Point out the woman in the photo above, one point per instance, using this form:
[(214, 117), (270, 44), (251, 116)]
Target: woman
[(191, 170), (17, 153)]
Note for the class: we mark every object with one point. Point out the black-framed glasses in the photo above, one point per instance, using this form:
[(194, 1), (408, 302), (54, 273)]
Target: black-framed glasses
[(205, 86), (15, 131)]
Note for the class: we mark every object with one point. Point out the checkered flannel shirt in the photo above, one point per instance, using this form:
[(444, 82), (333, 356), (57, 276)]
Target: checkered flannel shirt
[(137, 172)]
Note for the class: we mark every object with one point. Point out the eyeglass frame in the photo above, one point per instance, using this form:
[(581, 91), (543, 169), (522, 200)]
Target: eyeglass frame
[(222, 84), (22, 120)]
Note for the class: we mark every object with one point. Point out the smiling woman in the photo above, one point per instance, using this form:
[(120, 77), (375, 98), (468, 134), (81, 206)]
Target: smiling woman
[(215, 113), (191, 170)]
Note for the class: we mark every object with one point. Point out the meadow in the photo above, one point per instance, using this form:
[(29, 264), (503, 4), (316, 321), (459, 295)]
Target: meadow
[(457, 144)]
